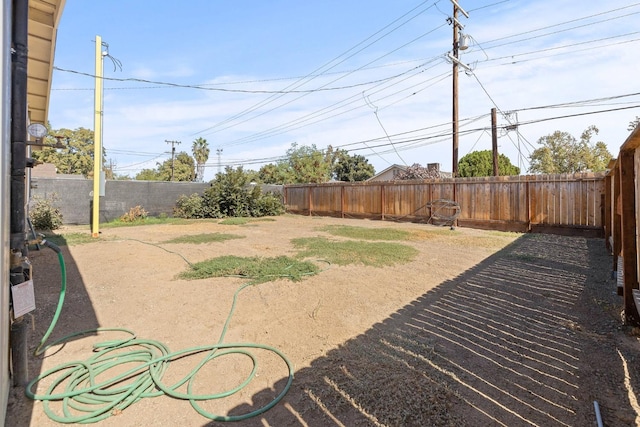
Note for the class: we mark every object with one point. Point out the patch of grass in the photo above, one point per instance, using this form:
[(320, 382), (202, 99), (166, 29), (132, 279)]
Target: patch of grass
[(149, 221), (235, 221), (204, 238), (70, 239), (255, 268), (244, 220), (366, 233), (375, 254), (431, 232)]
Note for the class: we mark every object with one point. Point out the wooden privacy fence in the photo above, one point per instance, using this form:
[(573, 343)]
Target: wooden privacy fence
[(508, 203), (622, 191)]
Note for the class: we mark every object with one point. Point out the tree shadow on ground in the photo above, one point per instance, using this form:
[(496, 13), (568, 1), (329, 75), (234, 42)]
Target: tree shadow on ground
[(527, 337), (77, 314)]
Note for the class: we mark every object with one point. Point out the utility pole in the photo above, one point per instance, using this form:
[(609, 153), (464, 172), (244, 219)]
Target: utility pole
[(219, 153), (457, 27), (494, 141), (173, 153), (97, 137)]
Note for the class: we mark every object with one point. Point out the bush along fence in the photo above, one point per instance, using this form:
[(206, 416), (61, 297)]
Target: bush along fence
[(622, 191), (72, 197), (546, 203)]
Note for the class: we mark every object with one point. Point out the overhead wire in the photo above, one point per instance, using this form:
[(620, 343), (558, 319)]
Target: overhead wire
[(543, 27), (375, 112), (536, 51), (299, 97), (326, 72), (297, 123), (218, 89), (561, 23), (556, 32), (411, 143), (311, 76)]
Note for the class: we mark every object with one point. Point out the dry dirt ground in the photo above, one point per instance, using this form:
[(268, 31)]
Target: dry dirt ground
[(481, 329)]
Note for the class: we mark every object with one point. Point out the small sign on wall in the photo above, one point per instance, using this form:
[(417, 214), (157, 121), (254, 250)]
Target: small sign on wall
[(23, 297)]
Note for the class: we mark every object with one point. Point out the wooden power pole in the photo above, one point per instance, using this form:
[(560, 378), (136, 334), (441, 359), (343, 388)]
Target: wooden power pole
[(454, 119), (173, 153), (494, 141), (457, 27)]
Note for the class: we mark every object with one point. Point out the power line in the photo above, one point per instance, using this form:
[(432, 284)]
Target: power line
[(218, 89), (559, 24), (240, 82), (328, 64)]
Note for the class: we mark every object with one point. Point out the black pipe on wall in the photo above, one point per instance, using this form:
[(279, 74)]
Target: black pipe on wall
[(19, 123), (19, 327)]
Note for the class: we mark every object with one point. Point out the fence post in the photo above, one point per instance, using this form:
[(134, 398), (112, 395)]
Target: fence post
[(628, 225), (616, 219), (528, 203), (342, 201), (607, 212), (382, 200)]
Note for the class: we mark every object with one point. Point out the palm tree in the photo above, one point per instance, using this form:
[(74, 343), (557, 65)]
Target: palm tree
[(200, 150)]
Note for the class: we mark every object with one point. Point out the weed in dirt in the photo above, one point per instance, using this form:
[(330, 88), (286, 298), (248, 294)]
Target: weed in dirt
[(152, 221), (243, 220), (366, 233), (255, 268), (235, 221), (375, 254), (204, 238), (71, 239)]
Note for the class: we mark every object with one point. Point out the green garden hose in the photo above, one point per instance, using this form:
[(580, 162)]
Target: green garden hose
[(85, 399), (63, 291)]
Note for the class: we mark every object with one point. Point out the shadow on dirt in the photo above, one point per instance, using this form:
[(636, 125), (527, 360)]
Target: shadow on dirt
[(527, 337), (77, 314)]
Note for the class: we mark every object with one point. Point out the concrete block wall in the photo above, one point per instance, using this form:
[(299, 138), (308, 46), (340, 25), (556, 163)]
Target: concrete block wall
[(74, 196)]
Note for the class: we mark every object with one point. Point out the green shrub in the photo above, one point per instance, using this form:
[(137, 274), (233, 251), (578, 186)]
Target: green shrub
[(44, 214), (230, 195), (135, 214), (270, 204), (189, 207)]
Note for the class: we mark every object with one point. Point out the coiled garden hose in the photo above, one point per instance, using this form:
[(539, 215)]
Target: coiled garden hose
[(85, 399)]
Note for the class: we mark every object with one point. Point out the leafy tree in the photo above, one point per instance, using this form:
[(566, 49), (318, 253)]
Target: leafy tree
[(120, 177), (76, 157), (480, 163), (200, 150), (309, 164), (352, 168), (148, 175), (633, 123), (279, 173), (184, 169), (562, 153), (303, 165), (416, 171)]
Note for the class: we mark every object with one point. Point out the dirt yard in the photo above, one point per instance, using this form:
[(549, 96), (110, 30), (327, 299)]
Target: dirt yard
[(481, 329)]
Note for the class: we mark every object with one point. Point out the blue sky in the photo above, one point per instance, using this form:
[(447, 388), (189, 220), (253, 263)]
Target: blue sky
[(252, 77)]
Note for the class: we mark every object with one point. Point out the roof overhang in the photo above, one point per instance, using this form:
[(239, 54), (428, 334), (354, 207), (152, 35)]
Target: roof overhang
[(44, 16)]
